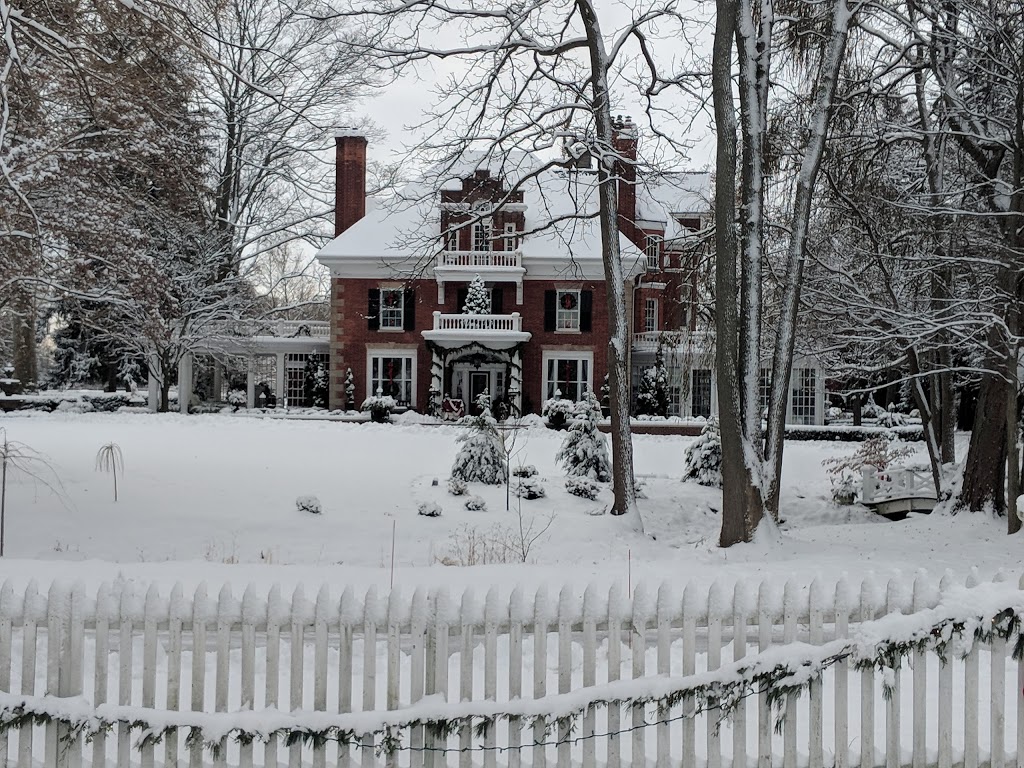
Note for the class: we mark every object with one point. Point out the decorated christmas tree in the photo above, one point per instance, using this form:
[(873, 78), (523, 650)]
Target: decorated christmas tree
[(584, 452), (478, 298)]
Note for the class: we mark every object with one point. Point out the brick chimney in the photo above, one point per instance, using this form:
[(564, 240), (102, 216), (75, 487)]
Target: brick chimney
[(624, 142), (350, 179)]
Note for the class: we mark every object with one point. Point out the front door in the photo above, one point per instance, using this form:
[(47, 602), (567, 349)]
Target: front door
[(479, 383)]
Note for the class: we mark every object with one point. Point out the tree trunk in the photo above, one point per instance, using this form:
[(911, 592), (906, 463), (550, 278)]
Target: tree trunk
[(23, 336), (742, 506), (623, 482), (985, 467), (785, 340)]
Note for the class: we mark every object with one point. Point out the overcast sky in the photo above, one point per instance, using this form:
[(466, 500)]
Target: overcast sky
[(404, 103)]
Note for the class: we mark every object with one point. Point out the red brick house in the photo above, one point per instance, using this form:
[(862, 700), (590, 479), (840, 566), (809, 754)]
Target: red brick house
[(400, 271)]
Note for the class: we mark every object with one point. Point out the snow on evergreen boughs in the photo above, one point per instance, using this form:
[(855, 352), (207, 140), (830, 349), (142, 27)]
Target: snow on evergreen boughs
[(475, 503), (380, 406), (529, 488), (963, 618), (558, 411), (350, 389), (703, 458), (429, 509), (478, 298), (456, 486), (652, 391), (871, 409), (584, 452), (309, 504), (525, 470), (481, 458), (583, 487), (316, 384)]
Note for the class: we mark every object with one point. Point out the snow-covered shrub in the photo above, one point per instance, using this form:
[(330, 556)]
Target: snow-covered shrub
[(74, 406), (525, 470), (456, 486), (652, 391), (350, 389), (892, 418), (380, 406), (529, 488), (584, 451), (844, 488), (237, 398), (583, 487), (703, 459), (429, 509), (476, 503), (481, 459), (833, 413), (309, 504), (558, 411), (871, 409), (316, 383)]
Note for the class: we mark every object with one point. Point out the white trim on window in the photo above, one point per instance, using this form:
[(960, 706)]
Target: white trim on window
[(583, 376), (406, 376)]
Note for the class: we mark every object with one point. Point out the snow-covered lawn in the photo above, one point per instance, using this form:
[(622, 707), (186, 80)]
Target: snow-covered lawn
[(213, 498)]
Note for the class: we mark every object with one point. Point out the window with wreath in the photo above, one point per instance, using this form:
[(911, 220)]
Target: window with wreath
[(391, 374), (567, 312), (392, 308), (568, 374)]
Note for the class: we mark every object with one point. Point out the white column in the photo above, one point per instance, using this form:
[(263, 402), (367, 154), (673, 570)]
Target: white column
[(250, 383), (153, 386), (184, 382), (515, 382), (280, 380), (436, 372)]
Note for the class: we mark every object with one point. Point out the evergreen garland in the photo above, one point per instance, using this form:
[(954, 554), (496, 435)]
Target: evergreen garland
[(723, 689)]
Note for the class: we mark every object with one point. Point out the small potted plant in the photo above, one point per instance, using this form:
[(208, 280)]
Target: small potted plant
[(380, 406)]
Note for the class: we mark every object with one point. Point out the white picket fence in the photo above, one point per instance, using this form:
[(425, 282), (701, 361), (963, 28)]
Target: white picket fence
[(345, 653)]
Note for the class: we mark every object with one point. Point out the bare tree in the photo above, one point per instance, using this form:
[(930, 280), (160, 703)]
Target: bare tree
[(752, 470), (537, 77)]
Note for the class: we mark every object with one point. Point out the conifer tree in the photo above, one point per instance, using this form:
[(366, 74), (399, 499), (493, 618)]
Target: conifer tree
[(584, 452), (481, 457), (478, 298)]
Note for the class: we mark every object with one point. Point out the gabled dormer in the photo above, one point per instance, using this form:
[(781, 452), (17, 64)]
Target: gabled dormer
[(481, 228)]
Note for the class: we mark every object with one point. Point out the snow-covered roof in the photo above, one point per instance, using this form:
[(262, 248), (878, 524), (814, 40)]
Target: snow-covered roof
[(673, 196), (561, 221)]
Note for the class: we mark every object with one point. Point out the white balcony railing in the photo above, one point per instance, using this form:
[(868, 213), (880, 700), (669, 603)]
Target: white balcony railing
[(480, 259), (443, 322), (651, 339), (283, 329)]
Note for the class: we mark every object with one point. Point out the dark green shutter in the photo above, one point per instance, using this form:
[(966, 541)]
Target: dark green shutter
[(409, 313), (460, 299), (549, 311), (586, 310), (497, 300), (373, 310)]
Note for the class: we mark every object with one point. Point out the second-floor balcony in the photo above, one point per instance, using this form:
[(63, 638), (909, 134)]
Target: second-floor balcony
[(493, 266), (492, 331), (650, 341)]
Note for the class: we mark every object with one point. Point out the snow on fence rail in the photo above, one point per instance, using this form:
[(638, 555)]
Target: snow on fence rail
[(598, 678)]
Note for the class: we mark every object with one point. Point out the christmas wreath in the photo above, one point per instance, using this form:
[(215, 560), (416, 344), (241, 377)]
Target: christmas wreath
[(568, 301)]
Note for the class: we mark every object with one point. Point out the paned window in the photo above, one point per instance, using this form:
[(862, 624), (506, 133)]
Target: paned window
[(392, 308), (391, 375), (804, 394), (652, 249), (482, 235), (567, 311), (764, 390), (650, 315), (510, 237), (700, 394), (570, 376)]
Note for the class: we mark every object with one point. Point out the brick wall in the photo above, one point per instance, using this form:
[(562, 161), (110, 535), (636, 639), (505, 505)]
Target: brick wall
[(350, 334)]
